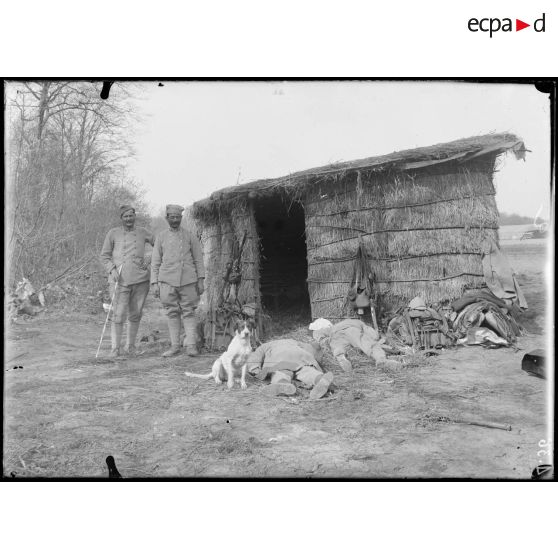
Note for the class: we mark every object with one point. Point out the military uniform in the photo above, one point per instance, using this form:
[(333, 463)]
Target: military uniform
[(350, 333), (288, 359), (177, 265), (124, 250)]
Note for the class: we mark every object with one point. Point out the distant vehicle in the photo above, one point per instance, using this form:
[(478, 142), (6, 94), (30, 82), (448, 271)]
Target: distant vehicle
[(541, 231), (533, 234)]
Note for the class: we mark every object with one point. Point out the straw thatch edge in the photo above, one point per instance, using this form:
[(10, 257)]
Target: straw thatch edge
[(457, 152)]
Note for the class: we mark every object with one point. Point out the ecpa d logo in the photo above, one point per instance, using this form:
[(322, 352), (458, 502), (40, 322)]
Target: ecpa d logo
[(492, 25)]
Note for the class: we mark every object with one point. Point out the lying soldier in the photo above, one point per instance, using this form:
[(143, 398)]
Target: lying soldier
[(285, 360), (350, 333)]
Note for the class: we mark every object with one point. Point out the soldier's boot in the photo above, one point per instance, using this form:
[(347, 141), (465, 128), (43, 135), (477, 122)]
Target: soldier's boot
[(344, 363), (280, 388), (388, 363), (174, 334), (115, 338), (321, 386), (262, 374), (191, 336), (131, 338)]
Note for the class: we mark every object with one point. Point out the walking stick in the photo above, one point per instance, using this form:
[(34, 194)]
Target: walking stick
[(108, 313)]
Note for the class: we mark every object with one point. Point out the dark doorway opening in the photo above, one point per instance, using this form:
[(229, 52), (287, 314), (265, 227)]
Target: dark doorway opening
[(283, 263)]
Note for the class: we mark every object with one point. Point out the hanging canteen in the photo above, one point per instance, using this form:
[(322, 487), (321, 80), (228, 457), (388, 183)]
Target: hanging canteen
[(362, 300)]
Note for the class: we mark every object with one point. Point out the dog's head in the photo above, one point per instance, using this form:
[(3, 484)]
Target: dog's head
[(245, 328)]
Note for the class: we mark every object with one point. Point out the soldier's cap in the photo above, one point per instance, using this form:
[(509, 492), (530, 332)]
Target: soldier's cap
[(417, 303), (172, 208), (126, 207), (320, 323)]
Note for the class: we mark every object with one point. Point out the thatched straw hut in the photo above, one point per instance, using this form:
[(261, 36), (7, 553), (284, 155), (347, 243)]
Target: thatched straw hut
[(423, 215)]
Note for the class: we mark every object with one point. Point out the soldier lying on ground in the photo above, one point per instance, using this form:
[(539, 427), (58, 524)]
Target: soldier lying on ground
[(287, 360), (350, 333)]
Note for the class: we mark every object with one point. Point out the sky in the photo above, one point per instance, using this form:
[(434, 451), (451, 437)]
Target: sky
[(197, 137)]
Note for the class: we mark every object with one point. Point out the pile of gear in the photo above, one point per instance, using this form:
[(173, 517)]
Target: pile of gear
[(484, 316), (483, 319), (421, 327), (478, 318)]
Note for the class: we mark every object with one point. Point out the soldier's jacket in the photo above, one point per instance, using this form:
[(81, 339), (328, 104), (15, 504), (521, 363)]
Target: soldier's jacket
[(177, 258), (127, 248), (283, 354)]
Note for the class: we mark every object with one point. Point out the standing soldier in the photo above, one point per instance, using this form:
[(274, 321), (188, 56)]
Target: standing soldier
[(177, 275), (123, 258)]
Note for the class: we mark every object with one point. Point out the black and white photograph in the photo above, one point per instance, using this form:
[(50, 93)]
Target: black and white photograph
[(278, 279)]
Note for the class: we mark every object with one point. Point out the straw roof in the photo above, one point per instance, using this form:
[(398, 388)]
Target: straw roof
[(455, 152)]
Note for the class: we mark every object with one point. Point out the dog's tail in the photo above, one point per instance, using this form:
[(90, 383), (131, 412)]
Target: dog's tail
[(203, 376)]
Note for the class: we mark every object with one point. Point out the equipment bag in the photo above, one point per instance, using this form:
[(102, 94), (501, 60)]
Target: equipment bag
[(422, 329)]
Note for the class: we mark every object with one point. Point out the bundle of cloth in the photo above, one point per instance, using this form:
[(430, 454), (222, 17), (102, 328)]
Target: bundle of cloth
[(482, 309), (488, 316), (484, 337)]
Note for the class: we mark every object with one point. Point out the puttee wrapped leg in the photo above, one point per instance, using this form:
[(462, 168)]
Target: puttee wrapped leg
[(191, 335), (174, 334), (115, 338)]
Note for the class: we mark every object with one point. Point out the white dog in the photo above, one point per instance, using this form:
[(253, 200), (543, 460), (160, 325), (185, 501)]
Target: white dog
[(233, 360)]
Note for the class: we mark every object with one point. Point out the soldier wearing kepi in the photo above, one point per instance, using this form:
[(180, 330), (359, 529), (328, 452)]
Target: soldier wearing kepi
[(177, 276), (123, 257)]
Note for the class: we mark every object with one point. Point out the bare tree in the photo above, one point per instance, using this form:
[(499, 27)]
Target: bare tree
[(67, 154)]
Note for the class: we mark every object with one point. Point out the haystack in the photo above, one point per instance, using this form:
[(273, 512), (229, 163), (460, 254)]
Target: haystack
[(424, 217)]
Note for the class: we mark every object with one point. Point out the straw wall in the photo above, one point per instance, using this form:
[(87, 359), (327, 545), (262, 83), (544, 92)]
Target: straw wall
[(424, 234), (218, 233)]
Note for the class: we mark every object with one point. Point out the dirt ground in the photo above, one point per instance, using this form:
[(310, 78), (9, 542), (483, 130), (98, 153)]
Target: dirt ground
[(65, 411)]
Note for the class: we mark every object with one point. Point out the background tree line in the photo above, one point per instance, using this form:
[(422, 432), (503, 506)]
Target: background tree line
[(66, 175), (514, 219)]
